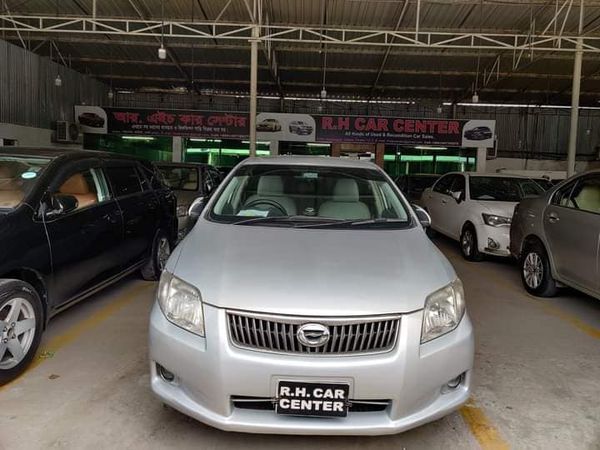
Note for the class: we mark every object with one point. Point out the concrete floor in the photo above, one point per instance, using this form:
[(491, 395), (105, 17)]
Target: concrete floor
[(537, 378)]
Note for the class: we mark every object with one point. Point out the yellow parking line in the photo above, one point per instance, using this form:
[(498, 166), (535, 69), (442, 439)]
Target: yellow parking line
[(485, 433), (579, 324), (62, 340)]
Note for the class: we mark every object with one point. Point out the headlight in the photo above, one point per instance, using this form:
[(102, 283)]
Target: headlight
[(443, 311), (182, 210), (181, 303), (496, 221)]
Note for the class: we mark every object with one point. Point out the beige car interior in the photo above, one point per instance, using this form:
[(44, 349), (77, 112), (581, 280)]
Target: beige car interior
[(270, 187), (588, 199), (11, 188), (78, 187), (345, 203)]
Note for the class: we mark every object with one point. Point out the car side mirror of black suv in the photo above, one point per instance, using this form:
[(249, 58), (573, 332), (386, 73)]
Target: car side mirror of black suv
[(61, 204)]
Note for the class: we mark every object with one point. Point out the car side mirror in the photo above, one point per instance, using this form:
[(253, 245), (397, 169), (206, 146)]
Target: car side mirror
[(422, 215), (458, 196), (196, 208), (62, 204)]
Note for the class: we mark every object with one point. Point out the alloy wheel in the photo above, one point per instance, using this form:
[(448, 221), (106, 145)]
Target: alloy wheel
[(533, 270), (467, 242), (17, 331)]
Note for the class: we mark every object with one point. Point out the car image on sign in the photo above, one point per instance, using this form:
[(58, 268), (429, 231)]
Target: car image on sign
[(478, 134), (300, 128)]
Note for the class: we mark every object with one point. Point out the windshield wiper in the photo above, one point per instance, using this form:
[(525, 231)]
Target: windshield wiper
[(283, 219), (354, 222)]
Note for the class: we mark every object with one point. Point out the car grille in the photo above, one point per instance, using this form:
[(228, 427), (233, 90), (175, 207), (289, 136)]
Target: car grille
[(347, 336)]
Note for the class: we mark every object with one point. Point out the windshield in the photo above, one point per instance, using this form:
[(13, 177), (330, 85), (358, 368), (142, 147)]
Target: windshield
[(18, 175), (288, 195), (502, 189), (180, 178)]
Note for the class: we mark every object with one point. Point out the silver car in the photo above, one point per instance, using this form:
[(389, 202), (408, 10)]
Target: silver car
[(557, 237), (308, 300)]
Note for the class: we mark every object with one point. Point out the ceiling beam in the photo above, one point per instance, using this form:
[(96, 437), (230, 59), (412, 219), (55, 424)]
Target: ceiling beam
[(290, 68), (289, 48), (315, 85), (501, 40)]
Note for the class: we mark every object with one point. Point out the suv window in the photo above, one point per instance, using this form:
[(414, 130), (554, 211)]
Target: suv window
[(583, 195), (124, 180), (443, 184), (89, 187)]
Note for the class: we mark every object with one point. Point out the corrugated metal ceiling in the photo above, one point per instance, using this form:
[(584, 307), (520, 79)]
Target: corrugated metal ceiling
[(405, 73)]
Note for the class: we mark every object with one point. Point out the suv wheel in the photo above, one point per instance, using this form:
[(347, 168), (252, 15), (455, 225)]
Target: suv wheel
[(535, 271), (468, 244), (161, 250), (21, 327)]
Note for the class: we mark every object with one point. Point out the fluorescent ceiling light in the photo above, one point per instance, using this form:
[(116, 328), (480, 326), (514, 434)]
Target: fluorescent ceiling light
[(258, 142), (316, 144), (138, 138), (204, 140), (430, 147)]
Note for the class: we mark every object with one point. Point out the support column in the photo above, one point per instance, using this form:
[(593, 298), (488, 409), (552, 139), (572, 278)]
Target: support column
[(253, 88), (572, 153), (177, 149), (274, 147), (481, 159)]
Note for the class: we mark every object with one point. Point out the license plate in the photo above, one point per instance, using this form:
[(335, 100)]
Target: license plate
[(312, 399)]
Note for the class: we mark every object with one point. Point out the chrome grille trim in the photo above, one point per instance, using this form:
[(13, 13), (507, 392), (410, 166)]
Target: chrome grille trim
[(348, 335)]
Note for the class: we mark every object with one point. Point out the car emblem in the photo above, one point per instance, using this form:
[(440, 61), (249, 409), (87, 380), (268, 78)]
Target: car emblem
[(313, 334)]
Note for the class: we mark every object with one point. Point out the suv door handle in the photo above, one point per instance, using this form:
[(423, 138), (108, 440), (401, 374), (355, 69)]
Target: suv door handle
[(553, 218)]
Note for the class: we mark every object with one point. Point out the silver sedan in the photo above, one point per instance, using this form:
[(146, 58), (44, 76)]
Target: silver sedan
[(557, 237), (308, 300)]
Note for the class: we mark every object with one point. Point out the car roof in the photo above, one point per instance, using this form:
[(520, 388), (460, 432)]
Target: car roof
[(182, 164), (489, 175), (64, 153), (322, 161)]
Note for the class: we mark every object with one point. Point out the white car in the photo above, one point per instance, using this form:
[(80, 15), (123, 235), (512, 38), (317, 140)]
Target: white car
[(476, 209)]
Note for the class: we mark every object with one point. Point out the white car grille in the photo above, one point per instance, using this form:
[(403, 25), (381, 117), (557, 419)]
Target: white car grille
[(280, 334)]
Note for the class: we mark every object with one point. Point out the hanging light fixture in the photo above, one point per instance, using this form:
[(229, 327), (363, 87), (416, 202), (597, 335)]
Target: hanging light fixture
[(111, 94), (162, 51), (475, 98), (58, 81), (439, 109)]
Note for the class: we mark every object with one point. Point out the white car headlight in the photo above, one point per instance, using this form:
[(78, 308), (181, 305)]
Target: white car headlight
[(182, 210), (496, 221), (181, 303), (443, 311)]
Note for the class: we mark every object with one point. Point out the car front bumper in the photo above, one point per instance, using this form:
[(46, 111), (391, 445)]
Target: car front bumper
[(209, 371), (493, 240)]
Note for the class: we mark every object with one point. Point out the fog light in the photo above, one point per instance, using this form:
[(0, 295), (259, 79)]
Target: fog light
[(169, 377), (493, 244), (455, 382)]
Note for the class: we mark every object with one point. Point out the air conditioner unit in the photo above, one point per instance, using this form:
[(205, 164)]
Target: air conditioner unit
[(66, 132)]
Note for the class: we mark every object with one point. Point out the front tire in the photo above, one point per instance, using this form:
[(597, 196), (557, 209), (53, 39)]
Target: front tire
[(21, 325), (469, 245), (161, 250), (536, 273)]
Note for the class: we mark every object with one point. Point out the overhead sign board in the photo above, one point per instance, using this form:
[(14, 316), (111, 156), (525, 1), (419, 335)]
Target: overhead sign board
[(288, 127)]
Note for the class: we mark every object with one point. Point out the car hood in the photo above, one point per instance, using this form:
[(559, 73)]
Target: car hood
[(504, 209), (321, 272)]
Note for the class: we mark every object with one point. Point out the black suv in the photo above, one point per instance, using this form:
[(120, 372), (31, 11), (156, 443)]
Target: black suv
[(71, 223)]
